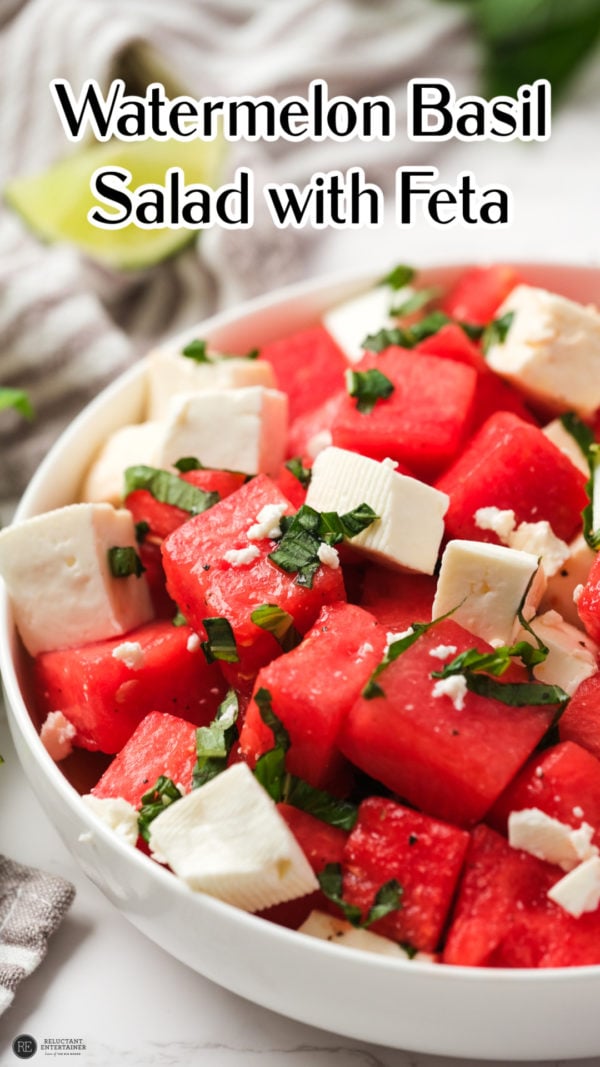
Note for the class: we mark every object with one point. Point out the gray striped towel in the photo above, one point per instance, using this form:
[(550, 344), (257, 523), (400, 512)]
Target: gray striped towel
[(32, 905)]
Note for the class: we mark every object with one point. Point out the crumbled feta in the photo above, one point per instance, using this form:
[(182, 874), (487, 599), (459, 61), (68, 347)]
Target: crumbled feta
[(443, 651), (391, 637), (130, 653), (57, 734), (578, 590), (267, 523), (540, 539), (118, 814), (328, 555), (572, 655), (539, 772), (579, 890), (392, 464), (193, 643), (239, 556), (454, 687), (502, 522), (578, 812), (549, 839)]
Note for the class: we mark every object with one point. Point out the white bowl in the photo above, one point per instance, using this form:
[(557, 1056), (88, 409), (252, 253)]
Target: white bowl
[(476, 1012)]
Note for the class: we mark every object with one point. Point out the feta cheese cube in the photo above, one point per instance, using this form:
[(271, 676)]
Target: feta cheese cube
[(549, 839), (58, 577), (567, 444), (233, 429), (572, 655), (551, 351), (118, 814), (578, 891), (329, 928), (127, 447), (351, 322), (227, 839), (410, 526), (57, 735), (562, 585), (169, 372), (486, 585)]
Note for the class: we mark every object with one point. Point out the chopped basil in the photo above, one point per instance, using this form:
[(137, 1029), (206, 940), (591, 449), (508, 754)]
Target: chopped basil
[(254, 353), (16, 399), (410, 950), (368, 386), (516, 694), (409, 337), (179, 619), (387, 899), (287, 788), (304, 532), (584, 437), (372, 688), (431, 324), (221, 642), (142, 529), (188, 463), (378, 342), (124, 561), (398, 277), (473, 331), (496, 331), (196, 350), (169, 488), (480, 669), (415, 302), (164, 792), (303, 474), (214, 742), (278, 622)]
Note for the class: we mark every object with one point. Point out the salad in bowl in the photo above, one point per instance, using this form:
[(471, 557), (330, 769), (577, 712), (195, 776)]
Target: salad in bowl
[(308, 612)]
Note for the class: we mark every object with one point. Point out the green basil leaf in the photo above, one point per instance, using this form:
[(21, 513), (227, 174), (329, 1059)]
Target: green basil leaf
[(303, 474), (214, 742), (398, 277), (472, 330), (142, 529), (415, 302), (304, 532), (179, 619), (372, 689), (384, 338), (368, 386), (221, 642), (579, 431), (431, 324), (164, 792), (387, 899), (196, 350), (189, 463), (270, 767), (280, 623), (124, 561), (584, 437), (516, 694), (496, 331), (253, 353), (168, 488), (319, 804), (18, 400)]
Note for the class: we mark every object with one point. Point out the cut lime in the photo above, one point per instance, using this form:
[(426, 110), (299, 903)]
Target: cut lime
[(55, 204)]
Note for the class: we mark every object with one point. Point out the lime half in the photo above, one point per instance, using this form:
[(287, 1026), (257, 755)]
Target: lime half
[(55, 204)]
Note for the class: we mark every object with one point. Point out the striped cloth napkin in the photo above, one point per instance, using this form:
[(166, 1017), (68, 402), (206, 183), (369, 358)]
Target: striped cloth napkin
[(32, 905)]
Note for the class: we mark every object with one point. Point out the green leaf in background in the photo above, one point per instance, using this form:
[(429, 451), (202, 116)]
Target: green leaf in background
[(16, 399), (528, 39)]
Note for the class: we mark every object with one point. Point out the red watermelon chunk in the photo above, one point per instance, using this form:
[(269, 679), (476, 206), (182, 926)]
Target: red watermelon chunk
[(161, 744), (164, 518), (451, 763), (308, 429), (503, 917), (290, 485), (206, 586), (424, 855), (580, 722), (308, 366), (563, 781), (588, 604), (106, 699), (397, 600), (511, 464), (477, 294), (312, 689), (423, 423), (151, 558)]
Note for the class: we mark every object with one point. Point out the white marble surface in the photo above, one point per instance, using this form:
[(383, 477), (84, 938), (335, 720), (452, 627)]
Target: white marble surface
[(102, 981)]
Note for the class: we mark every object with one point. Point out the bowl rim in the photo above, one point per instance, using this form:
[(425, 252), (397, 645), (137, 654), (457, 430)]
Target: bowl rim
[(356, 281)]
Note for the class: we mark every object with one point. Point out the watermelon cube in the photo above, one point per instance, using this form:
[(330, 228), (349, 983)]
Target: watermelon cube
[(397, 600), (308, 366), (107, 687), (424, 421), (424, 855), (477, 294), (580, 722), (510, 464), (162, 744), (588, 604), (205, 585), (563, 781), (164, 518), (312, 690), (450, 758)]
